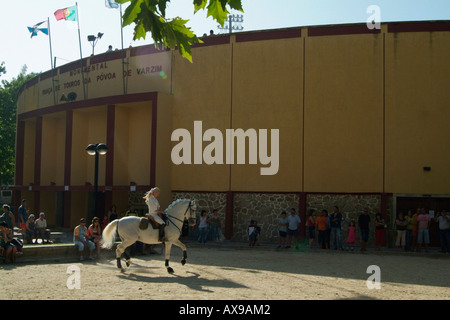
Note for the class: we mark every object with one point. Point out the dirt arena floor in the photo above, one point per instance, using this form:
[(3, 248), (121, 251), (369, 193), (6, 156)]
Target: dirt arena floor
[(232, 274)]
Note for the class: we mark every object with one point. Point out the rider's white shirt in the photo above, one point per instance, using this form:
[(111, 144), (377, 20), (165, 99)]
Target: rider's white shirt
[(153, 205)]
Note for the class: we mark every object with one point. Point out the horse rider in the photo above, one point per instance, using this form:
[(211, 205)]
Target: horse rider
[(154, 209)]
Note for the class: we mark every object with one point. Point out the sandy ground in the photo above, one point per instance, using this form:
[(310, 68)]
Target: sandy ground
[(230, 274)]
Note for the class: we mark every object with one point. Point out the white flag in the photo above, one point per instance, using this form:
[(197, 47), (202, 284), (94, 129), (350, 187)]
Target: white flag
[(111, 4)]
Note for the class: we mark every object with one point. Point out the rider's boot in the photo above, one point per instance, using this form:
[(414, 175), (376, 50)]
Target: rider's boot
[(161, 232)]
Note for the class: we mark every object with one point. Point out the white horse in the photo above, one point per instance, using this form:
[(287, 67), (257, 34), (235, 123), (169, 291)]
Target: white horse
[(128, 230)]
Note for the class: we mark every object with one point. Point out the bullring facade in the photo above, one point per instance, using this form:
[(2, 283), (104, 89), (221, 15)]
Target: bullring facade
[(361, 114)]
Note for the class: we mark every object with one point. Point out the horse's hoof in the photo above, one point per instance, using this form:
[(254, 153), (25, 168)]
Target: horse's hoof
[(170, 270), (183, 262), (122, 270), (128, 263)]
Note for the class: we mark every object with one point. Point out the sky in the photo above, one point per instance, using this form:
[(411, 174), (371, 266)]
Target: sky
[(18, 49)]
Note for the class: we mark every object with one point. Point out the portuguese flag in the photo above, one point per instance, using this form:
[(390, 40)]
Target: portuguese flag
[(69, 14)]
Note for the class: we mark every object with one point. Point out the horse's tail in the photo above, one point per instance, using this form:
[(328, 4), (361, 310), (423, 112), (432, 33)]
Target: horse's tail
[(109, 234)]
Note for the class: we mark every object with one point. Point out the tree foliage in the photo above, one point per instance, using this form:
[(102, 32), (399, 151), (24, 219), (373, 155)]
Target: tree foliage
[(9, 91), (2, 68), (150, 16)]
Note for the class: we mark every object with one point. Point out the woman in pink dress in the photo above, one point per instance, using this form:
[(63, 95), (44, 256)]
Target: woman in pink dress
[(351, 238)]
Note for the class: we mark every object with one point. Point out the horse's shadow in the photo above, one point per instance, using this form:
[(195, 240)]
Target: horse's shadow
[(193, 281)]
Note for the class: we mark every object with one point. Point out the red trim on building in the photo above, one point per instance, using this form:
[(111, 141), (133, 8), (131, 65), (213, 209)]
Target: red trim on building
[(32, 82), (20, 149), (213, 41), (153, 142), (46, 75), (67, 209), (89, 103), (269, 35), (109, 56), (110, 129), (68, 147), (341, 30), (425, 26), (150, 49), (109, 170), (72, 66), (38, 152)]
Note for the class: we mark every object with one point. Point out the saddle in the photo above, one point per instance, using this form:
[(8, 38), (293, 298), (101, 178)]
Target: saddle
[(143, 224), (145, 221)]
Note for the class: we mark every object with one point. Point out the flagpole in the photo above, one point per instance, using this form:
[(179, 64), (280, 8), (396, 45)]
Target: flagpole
[(51, 61), (81, 54), (123, 59)]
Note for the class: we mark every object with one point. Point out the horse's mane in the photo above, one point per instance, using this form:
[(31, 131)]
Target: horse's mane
[(173, 204)]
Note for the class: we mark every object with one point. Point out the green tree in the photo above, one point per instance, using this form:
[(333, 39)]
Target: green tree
[(9, 91), (150, 16), (2, 68)]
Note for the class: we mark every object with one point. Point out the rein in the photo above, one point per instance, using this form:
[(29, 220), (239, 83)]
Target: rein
[(182, 221)]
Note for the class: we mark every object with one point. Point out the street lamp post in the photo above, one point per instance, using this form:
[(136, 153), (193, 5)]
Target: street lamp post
[(96, 150), (94, 39)]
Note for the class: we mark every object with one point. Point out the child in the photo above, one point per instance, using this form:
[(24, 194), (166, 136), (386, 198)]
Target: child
[(351, 238), (6, 236), (253, 232)]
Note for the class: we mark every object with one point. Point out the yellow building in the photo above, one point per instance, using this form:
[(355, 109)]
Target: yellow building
[(361, 115)]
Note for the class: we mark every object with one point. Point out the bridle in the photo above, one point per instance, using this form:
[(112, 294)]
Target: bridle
[(169, 217)]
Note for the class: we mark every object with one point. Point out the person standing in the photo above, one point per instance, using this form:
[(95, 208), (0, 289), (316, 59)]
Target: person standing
[(409, 231), (380, 231), (311, 227), (401, 224), (253, 232), (322, 227), (415, 233), (282, 230), (423, 221), (112, 213), (293, 226), (363, 222), (335, 223), (202, 227), (215, 223), (444, 230), (23, 217), (351, 237)]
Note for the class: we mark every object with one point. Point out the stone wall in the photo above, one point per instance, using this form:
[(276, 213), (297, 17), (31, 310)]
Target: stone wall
[(264, 208), (350, 206), (267, 207), (205, 201)]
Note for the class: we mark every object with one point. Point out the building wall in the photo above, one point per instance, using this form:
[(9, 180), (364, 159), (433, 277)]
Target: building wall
[(268, 94), (417, 110), (202, 92), (343, 128), (359, 112)]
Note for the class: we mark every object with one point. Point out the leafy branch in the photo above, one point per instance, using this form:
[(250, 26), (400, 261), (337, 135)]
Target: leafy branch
[(150, 16)]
